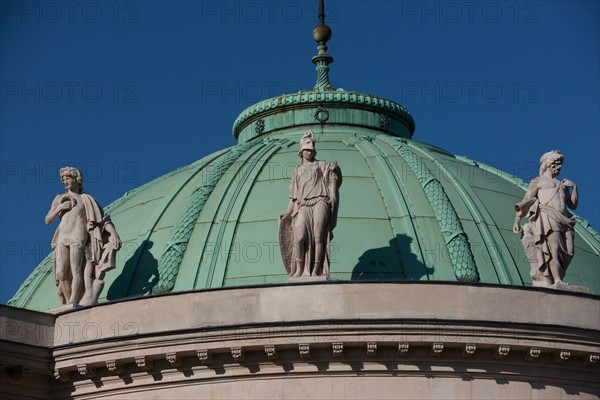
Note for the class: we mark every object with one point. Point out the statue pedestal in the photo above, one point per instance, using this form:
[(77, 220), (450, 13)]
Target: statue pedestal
[(301, 279), (61, 309), (571, 288)]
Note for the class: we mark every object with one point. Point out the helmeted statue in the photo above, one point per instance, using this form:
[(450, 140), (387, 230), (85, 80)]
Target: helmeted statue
[(548, 236), (85, 242), (306, 228)]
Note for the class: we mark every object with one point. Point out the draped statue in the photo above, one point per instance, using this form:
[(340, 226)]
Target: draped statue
[(85, 242), (306, 228), (548, 234)]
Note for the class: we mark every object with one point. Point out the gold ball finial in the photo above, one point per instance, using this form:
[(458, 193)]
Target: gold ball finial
[(321, 33)]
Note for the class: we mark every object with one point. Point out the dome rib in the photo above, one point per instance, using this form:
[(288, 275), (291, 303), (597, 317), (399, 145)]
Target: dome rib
[(25, 292), (467, 197), (168, 266), (152, 222), (35, 279), (587, 232), (235, 207), (455, 237), (200, 274)]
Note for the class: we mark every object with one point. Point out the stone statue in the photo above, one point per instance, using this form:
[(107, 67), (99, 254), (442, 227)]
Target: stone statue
[(85, 242), (305, 230), (548, 236)]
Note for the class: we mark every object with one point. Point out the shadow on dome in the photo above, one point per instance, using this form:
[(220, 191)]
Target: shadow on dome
[(134, 281), (394, 262)]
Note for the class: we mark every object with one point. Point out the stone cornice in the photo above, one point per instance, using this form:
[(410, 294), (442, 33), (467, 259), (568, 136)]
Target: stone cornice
[(375, 329), (439, 348)]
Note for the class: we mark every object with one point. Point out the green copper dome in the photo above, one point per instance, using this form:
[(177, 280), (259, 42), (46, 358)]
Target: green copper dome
[(408, 210)]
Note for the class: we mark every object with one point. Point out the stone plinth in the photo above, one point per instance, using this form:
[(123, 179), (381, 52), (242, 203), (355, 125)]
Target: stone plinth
[(304, 279)]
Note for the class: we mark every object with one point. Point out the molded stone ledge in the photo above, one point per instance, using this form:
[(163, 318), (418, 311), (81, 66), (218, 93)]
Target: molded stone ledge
[(470, 303), (419, 352), (409, 332), (498, 343)]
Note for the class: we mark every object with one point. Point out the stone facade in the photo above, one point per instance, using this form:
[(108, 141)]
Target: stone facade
[(347, 340)]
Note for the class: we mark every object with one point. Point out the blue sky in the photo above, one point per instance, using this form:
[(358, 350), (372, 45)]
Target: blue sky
[(128, 91)]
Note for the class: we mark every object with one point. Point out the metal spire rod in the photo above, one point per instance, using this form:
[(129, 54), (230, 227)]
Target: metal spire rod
[(322, 34), (322, 11)]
